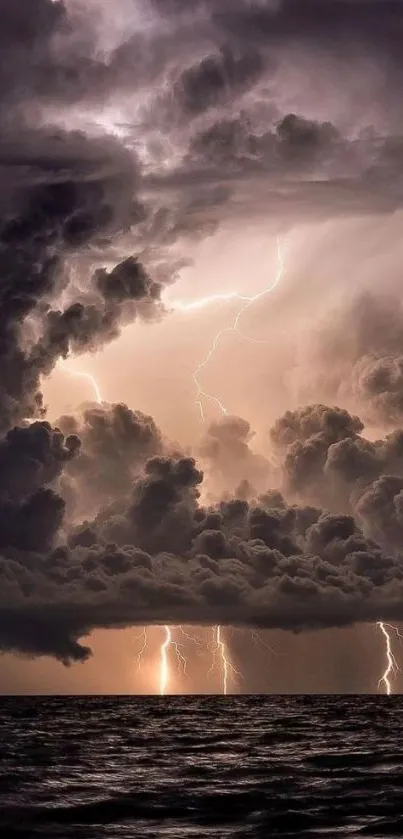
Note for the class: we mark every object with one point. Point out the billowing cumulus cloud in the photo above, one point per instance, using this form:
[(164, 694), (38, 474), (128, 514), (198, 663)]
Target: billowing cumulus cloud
[(227, 457), (355, 357), (115, 443), (159, 555), (62, 204)]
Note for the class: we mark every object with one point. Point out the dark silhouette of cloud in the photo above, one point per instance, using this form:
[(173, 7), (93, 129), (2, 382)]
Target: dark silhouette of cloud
[(158, 555), (216, 79), (115, 444), (75, 201)]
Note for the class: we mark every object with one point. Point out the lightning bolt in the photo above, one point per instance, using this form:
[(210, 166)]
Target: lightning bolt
[(258, 641), (202, 302), (143, 636), (227, 668), (247, 303), (164, 667), (392, 667), (193, 638), (168, 642), (84, 375)]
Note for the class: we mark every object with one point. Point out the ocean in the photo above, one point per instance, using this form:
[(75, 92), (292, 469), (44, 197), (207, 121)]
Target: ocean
[(187, 767)]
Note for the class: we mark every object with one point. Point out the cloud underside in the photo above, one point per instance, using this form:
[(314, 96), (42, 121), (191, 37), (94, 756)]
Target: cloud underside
[(304, 607)]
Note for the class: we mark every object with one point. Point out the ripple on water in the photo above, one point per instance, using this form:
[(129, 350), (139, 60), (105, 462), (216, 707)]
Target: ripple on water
[(200, 767)]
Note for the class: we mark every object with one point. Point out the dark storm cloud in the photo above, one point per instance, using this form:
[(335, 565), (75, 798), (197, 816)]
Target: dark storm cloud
[(371, 24), (26, 32), (32, 458), (294, 145), (159, 515), (212, 104), (115, 299), (115, 443), (327, 460), (274, 161), (298, 166), (216, 79), (60, 199), (355, 357), (158, 555), (327, 552), (264, 564)]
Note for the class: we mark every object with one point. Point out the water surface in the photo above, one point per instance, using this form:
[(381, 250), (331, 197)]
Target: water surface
[(201, 767)]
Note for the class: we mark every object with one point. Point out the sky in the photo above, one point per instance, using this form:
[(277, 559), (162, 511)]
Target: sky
[(201, 331)]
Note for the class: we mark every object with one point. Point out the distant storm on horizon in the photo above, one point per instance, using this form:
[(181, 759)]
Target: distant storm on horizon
[(201, 346)]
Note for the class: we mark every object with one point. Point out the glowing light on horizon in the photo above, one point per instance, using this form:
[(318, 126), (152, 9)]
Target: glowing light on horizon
[(392, 667)]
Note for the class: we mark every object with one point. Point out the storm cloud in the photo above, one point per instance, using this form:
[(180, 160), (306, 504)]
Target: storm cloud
[(118, 142), (158, 555)]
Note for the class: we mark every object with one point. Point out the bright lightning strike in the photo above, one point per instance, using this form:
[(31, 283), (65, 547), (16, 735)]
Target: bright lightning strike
[(392, 667), (202, 302), (227, 668), (164, 667), (88, 376), (248, 302), (171, 642), (193, 638), (142, 651)]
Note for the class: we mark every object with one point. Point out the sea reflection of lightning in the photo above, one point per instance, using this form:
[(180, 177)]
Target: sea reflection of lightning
[(247, 303), (392, 667)]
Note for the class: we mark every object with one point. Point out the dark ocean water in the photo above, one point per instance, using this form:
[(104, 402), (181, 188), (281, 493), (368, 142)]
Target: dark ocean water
[(201, 767)]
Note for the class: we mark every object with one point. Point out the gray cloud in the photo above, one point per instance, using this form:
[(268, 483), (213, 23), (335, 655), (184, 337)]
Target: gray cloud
[(71, 191), (115, 443), (158, 555), (356, 357), (243, 565), (228, 459)]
